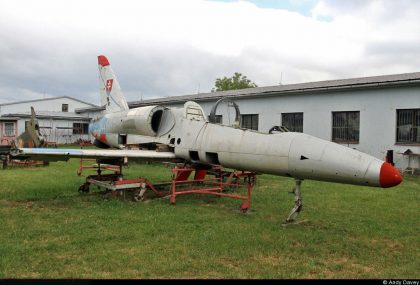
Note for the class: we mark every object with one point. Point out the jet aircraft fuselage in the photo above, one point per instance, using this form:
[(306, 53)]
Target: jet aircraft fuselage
[(192, 138)]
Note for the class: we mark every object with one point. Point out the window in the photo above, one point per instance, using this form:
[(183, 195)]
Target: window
[(218, 119), (408, 126), (250, 121), (64, 107), (345, 127), (9, 129), (80, 128), (292, 121)]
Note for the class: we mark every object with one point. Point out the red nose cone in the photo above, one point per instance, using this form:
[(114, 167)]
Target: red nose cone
[(102, 60), (389, 176)]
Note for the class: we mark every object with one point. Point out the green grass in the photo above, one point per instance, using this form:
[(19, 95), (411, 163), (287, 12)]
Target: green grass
[(49, 230)]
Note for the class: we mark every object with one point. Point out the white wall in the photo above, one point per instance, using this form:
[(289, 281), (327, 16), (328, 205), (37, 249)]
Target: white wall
[(52, 134)]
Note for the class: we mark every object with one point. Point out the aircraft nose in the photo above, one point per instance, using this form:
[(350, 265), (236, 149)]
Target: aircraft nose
[(389, 176)]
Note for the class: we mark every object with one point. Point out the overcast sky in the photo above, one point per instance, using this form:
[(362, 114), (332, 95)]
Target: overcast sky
[(161, 48)]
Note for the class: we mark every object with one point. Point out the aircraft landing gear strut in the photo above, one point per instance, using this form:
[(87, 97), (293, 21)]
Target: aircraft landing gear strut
[(298, 202)]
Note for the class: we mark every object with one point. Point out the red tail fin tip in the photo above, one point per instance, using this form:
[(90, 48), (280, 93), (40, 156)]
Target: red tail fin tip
[(102, 60)]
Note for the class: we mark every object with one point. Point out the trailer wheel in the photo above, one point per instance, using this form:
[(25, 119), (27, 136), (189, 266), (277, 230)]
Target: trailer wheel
[(137, 197), (84, 188), (245, 207), (139, 193)]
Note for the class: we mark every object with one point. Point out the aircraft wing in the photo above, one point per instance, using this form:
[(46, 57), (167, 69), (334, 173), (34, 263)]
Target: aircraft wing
[(57, 154)]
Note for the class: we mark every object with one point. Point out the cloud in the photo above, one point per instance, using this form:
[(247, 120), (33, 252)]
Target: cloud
[(164, 48), (18, 94)]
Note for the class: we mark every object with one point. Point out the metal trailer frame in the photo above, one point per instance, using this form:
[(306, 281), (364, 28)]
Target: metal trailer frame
[(117, 186), (180, 184), (98, 166), (27, 163)]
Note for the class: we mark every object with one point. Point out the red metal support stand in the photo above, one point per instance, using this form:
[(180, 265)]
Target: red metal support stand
[(212, 186)]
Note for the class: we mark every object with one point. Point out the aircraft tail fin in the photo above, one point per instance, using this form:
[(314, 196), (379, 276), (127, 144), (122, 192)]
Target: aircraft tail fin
[(111, 95), (31, 137)]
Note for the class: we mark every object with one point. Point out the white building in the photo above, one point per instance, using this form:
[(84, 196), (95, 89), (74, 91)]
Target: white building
[(57, 119)]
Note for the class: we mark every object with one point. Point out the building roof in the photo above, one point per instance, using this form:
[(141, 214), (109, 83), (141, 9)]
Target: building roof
[(46, 99), (382, 81), (90, 109), (8, 119), (48, 115)]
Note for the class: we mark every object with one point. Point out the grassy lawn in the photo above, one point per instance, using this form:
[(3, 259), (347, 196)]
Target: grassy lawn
[(49, 230)]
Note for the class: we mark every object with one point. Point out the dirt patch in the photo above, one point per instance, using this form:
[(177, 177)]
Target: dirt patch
[(341, 267)]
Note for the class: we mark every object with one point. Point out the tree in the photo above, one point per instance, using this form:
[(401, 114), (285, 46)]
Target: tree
[(237, 81)]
